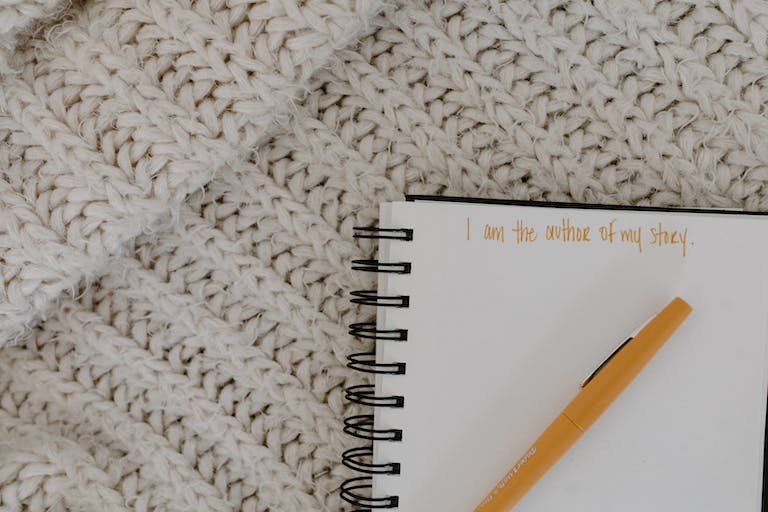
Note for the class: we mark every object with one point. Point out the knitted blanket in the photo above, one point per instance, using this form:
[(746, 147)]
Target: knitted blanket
[(180, 180)]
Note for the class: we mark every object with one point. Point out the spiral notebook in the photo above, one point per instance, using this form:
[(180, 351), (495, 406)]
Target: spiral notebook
[(491, 314)]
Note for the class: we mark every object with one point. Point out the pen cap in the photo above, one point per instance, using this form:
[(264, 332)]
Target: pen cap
[(625, 364)]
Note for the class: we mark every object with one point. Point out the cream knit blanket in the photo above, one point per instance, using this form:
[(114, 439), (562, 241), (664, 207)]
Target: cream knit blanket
[(191, 350)]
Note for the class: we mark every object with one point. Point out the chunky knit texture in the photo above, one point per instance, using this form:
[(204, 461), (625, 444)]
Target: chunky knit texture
[(133, 105), (18, 18), (205, 370)]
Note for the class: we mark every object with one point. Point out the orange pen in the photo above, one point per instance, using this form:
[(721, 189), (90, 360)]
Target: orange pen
[(597, 393)]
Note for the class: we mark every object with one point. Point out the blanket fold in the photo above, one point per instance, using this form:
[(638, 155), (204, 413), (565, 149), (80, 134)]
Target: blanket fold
[(107, 127)]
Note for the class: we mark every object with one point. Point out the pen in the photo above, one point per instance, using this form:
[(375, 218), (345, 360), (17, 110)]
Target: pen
[(597, 393)]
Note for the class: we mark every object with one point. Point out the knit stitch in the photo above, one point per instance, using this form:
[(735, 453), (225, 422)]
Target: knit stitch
[(18, 17), (206, 370), (136, 104)]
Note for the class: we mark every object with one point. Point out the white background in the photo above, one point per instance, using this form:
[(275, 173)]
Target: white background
[(501, 336)]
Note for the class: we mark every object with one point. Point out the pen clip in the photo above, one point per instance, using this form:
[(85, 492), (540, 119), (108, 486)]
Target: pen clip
[(602, 365), (616, 351)]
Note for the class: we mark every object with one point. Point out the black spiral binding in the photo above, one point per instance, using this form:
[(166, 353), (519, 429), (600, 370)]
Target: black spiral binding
[(362, 426)]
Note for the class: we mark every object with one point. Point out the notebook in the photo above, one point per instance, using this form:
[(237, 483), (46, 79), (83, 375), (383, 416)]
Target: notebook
[(489, 316)]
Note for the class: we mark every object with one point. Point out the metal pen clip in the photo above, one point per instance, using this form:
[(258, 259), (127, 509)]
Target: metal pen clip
[(616, 351)]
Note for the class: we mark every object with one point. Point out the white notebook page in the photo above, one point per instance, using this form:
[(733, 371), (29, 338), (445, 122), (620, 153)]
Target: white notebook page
[(501, 335)]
